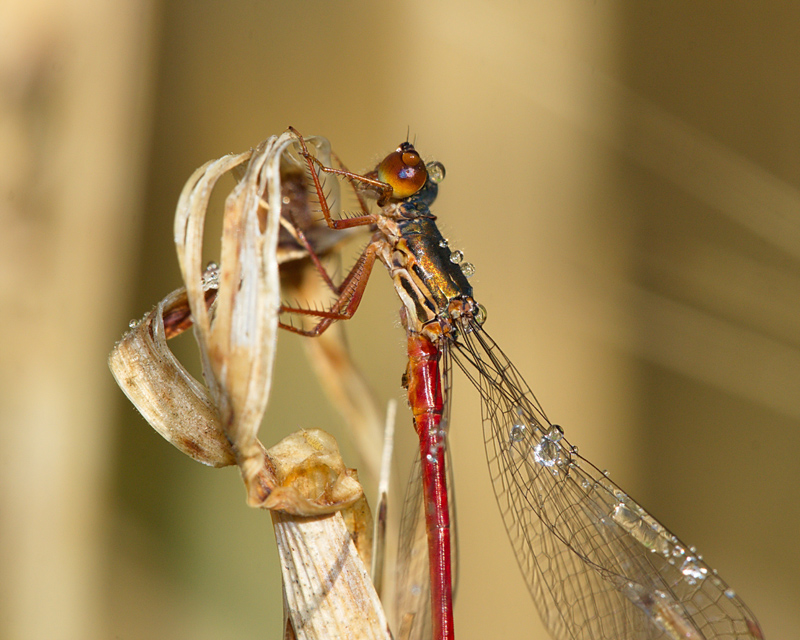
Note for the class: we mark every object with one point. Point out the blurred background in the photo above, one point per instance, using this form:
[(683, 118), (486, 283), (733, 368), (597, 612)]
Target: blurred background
[(623, 175)]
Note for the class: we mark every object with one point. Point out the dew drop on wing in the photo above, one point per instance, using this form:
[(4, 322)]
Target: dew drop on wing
[(547, 451), (519, 428)]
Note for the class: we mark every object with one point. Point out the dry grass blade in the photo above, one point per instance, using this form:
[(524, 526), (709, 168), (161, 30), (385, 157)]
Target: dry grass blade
[(327, 587), (236, 346)]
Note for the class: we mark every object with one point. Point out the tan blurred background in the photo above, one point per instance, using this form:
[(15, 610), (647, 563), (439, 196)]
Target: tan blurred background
[(623, 175)]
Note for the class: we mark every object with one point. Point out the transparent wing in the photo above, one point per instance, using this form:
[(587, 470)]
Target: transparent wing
[(598, 566), (413, 594)]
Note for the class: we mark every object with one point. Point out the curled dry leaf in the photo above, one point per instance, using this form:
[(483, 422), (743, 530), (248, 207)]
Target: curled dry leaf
[(170, 399)]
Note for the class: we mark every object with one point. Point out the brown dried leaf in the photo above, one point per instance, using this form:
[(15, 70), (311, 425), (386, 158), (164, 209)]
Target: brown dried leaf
[(170, 399)]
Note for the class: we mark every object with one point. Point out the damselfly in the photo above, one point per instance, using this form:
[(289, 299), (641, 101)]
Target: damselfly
[(598, 566)]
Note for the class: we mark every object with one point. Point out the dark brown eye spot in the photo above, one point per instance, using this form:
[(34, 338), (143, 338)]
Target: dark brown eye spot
[(410, 158)]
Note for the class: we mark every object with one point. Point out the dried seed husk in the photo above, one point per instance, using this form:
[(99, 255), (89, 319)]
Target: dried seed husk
[(313, 480)]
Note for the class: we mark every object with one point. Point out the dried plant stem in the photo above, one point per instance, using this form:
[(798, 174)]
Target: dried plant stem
[(327, 588)]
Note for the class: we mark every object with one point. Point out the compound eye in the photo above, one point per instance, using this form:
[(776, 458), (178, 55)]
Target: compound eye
[(404, 171)]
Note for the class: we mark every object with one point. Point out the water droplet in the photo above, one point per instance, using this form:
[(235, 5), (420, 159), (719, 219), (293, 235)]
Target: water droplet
[(517, 433), (555, 433), (678, 551), (546, 452), (211, 276), (436, 172), (468, 269), (730, 593), (285, 200), (520, 426), (436, 447), (443, 243), (480, 314), (134, 323), (605, 472), (457, 256), (692, 570)]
